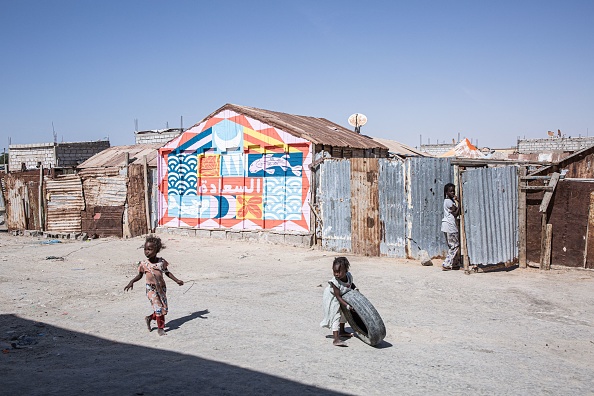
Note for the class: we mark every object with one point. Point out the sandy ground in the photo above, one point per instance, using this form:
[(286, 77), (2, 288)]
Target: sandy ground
[(247, 321)]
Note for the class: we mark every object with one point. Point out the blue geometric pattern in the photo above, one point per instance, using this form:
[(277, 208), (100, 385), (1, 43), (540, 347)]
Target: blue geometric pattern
[(293, 200), (232, 165), (282, 197)]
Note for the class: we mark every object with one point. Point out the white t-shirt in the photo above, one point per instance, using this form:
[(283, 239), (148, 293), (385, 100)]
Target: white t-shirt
[(448, 223)]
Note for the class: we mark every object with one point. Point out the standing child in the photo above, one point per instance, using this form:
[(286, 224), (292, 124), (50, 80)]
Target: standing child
[(449, 226), (332, 300), (154, 268)]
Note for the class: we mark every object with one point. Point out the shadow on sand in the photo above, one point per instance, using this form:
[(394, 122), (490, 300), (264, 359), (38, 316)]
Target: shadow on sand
[(176, 323), (42, 359)]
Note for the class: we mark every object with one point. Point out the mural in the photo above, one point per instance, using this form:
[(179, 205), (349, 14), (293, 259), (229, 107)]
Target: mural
[(232, 171)]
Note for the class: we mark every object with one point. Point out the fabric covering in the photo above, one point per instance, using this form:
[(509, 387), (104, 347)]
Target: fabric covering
[(330, 304)]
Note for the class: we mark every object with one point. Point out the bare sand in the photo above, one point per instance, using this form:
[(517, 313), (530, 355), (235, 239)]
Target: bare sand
[(247, 321)]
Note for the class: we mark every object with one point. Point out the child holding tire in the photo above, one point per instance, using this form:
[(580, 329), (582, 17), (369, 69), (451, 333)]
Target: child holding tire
[(332, 300)]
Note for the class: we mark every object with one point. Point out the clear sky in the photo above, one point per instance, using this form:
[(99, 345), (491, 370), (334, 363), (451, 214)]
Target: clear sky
[(487, 70)]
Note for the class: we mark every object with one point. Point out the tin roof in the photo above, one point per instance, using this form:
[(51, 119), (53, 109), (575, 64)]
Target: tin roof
[(400, 149), (316, 130), (114, 156)]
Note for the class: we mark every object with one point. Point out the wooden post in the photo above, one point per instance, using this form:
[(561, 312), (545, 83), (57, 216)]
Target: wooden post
[(463, 246), (546, 261), (146, 195), (589, 252), (40, 203), (522, 220), (545, 254)]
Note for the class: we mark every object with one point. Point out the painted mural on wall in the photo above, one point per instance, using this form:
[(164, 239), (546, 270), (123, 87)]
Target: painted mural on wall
[(232, 171)]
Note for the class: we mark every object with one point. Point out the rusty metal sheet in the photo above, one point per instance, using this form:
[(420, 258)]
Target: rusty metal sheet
[(87, 173), (334, 199), (425, 179), (22, 200), (16, 218), (105, 190), (136, 202), (569, 217), (365, 235), (392, 207), (490, 204), (103, 221), (64, 203)]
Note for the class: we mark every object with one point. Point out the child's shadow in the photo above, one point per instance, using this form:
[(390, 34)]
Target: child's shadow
[(176, 323)]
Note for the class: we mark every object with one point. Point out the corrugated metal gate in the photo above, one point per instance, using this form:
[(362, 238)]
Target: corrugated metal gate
[(490, 203), (425, 179), (393, 206)]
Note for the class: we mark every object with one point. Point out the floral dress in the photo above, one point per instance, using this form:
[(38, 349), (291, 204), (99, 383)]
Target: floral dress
[(156, 291)]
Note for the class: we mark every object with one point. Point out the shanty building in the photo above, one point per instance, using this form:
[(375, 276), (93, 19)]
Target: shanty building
[(248, 169)]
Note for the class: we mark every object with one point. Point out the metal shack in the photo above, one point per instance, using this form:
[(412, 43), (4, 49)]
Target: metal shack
[(243, 169), (117, 191), (559, 205)]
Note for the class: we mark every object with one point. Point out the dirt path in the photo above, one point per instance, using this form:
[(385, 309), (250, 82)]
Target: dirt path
[(247, 321)]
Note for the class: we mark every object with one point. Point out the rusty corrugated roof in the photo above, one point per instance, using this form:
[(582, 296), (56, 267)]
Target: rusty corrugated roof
[(114, 156), (398, 148), (316, 130)]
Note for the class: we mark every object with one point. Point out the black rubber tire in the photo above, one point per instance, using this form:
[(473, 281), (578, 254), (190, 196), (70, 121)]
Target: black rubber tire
[(365, 320)]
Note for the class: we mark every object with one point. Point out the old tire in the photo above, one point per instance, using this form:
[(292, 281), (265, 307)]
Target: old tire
[(364, 319)]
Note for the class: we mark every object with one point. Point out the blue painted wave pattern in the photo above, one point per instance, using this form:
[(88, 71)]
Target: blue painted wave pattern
[(182, 179), (282, 197)]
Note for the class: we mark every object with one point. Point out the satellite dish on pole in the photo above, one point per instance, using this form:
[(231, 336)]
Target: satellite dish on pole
[(357, 120)]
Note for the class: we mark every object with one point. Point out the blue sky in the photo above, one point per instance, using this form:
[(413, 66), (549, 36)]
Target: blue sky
[(487, 70)]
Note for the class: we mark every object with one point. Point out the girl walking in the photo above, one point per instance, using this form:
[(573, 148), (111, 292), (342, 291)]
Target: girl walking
[(449, 226), (332, 300), (154, 267)]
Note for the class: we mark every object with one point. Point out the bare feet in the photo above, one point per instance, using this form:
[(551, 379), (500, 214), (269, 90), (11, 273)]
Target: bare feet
[(161, 332), (345, 334), (148, 319), (339, 343)]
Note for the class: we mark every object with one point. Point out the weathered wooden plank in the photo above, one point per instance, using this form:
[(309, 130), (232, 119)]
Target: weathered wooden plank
[(463, 239), (549, 194), (534, 178), (522, 221), (546, 261), (537, 188)]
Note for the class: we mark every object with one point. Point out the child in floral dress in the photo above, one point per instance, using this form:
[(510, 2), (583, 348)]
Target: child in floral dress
[(154, 267)]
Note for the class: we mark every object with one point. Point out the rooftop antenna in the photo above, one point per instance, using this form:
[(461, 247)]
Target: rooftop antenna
[(136, 125), (357, 120), (181, 123), (55, 134)]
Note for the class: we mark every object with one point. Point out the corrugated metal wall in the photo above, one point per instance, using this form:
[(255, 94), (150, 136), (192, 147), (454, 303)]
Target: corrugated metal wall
[(334, 199), (392, 207), (105, 190), (64, 203), (410, 208), (105, 194), (424, 185), (490, 202)]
